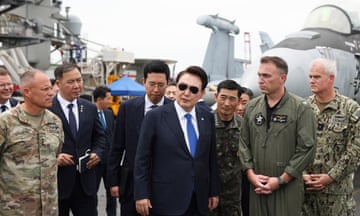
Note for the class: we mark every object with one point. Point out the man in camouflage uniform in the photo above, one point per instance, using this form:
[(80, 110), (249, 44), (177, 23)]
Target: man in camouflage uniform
[(30, 139), (227, 125), (329, 180)]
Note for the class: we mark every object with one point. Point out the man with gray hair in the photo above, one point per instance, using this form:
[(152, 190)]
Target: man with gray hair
[(329, 179)]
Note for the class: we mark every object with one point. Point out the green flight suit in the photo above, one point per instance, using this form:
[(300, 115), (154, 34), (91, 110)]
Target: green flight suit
[(288, 145)]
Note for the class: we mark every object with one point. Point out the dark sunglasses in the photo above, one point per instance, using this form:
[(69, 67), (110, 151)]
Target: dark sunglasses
[(183, 87)]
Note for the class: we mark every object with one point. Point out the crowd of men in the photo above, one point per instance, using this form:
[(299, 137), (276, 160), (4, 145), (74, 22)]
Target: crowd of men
[(276, 154)]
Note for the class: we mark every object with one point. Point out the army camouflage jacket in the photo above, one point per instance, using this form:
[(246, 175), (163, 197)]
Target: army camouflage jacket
[(227, 146), (338, 142), (28, 163)]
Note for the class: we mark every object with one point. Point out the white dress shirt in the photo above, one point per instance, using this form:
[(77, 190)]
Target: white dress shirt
[(148, 104), (181, 115), (64, 103)]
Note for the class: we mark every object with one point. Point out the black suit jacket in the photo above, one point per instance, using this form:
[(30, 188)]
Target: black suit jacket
[(204, 106), (165, 172), (110, 124), (13, 102), (90, 136), (126, 134)]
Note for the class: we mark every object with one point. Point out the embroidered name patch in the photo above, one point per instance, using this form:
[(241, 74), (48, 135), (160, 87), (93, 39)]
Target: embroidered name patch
[(279, 118)]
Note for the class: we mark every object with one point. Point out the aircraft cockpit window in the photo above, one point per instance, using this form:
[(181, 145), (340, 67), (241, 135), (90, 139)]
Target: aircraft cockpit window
[(329, 17)]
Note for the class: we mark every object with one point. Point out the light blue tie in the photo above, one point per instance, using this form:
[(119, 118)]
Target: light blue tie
[(101, 116), (192, 138)]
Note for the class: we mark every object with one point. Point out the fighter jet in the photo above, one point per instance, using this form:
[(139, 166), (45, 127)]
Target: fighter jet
[(330, 31)]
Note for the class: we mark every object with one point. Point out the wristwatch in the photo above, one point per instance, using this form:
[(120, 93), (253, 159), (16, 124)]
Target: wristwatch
[(281, 181)]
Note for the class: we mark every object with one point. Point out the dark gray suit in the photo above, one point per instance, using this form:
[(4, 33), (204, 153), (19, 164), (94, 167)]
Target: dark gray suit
[(165, 171)]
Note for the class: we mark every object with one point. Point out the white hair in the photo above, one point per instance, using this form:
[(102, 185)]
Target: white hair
[(328, 65)]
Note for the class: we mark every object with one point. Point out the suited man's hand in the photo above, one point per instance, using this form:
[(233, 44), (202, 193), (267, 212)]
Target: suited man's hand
[(213, 203), (114, 191), (94, 160), (65, 160), (142, 206)]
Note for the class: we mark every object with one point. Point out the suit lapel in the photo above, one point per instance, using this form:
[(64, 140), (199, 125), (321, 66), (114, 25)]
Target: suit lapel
[(138, 113), (82, 115), (173, 122), (58, 110), (202, 126), (13, 102), (107, 118)]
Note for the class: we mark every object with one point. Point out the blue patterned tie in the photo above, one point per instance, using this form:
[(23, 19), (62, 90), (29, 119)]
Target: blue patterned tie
[(102, 119), (192, 138), (72, 120)]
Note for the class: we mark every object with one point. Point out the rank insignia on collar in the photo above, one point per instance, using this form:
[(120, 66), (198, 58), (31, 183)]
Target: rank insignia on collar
[(259, 119)]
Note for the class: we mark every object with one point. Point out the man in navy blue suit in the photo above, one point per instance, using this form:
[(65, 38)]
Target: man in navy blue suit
[(102, 99), (83, 132), (176, 169), (127, 127)]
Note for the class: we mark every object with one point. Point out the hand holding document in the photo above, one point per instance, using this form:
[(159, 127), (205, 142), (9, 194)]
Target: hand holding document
[(83, 160)]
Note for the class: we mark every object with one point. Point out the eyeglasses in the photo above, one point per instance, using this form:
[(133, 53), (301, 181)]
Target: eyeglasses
[(183, 87), (154, 84)]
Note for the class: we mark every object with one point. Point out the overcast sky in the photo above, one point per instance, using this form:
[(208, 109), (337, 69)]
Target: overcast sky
[(168, 29)]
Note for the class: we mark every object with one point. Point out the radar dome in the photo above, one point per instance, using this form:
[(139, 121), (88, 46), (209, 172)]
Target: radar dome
[(74, 24)]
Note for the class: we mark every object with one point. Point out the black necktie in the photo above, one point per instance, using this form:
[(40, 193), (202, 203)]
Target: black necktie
[(72, 120), (3, 108), (153, 106)]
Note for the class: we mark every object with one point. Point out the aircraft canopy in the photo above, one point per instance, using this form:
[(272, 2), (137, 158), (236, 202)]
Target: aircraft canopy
[(342, 17)]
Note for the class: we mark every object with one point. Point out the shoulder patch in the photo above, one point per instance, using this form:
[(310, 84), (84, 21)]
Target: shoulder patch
[(355, 116)]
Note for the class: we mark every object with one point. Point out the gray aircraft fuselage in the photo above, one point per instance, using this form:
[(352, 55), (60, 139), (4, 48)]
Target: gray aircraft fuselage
[(319, 39)]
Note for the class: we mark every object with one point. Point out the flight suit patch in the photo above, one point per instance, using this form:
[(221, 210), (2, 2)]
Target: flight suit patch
[(259, 119), (279, 118)]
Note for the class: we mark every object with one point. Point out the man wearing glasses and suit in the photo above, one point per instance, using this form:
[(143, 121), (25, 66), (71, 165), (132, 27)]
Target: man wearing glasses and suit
[(127, 127)]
